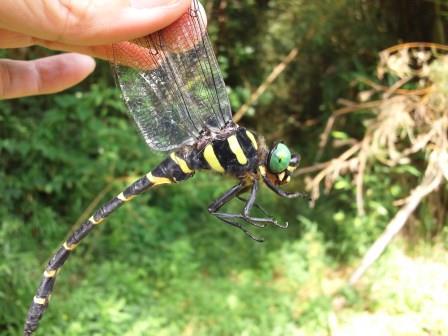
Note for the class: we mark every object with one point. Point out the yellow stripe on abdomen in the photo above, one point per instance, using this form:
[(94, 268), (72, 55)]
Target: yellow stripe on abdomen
[(123, 198), (236, 149), (39, 300), (212, 160), (181, 163), (252, 139), (50, 273), (156, 180)]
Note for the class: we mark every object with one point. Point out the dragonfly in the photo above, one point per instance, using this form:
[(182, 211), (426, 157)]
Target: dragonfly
[(172, 86)]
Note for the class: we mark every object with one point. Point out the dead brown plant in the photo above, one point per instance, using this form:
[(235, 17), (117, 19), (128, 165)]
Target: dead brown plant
[(409, 116)]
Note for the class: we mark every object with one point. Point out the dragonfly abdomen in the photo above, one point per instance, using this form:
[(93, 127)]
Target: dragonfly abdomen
[(173, 169)]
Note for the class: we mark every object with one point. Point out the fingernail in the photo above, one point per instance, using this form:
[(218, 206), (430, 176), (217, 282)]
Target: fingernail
[(152, 3)]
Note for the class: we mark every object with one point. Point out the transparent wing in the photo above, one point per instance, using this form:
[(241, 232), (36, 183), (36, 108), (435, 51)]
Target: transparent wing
[(171, 82)]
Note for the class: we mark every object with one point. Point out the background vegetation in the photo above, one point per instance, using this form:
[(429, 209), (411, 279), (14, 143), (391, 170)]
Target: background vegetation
[(161, 265)]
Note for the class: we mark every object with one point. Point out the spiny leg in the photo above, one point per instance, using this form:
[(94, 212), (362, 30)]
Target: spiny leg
[(230, 218), (264, 212), (256, 205), (171, 170), (242, 228), (224, 199), (283, 193), (256, 221)]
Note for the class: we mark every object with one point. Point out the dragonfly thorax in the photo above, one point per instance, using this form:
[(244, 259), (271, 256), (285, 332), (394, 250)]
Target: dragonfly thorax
[(233, 151)]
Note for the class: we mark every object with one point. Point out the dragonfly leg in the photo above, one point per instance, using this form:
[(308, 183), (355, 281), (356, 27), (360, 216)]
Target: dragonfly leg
[(242, 228), (256, 221), (227, 217), (256, 205), (231, 218), (263, 211), (283, 193)]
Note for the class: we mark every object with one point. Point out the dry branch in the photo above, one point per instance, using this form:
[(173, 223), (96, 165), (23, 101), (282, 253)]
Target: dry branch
[(337, 113), (96, 200), (404, 122), (266, 83), (432, 180)]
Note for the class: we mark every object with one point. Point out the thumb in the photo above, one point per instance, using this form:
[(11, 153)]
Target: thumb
[(89, 22), (46, 75)]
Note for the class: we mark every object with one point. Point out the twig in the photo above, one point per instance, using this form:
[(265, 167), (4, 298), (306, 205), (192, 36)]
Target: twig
[(337, 113), (391, 90), (359, 178), (313, 185), (432, 180), (94, 203), (405, 92), (410, 45), (311, 169), (266, 83)]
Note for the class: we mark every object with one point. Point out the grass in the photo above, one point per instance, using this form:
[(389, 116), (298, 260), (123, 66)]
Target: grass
[(295, 290)]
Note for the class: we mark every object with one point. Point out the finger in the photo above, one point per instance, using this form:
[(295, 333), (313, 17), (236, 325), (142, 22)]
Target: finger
[(9, 39), (43, 76), (89, 22), (181, 35), (182, 26), (124, 53)]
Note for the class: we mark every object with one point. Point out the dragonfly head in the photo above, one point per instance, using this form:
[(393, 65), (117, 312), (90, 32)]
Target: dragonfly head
[(280, 163)]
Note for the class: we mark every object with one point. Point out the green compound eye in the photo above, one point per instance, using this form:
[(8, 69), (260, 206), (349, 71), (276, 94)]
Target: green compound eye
[(279, 158)]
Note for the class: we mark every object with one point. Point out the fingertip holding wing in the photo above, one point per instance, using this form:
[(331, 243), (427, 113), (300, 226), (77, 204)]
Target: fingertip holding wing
[(43, 76), (142, 53), (129, 23), (136, 55), (187, 31), (89, 22), (148, 52)]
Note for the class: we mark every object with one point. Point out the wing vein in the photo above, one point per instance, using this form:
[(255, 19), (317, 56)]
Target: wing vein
[(171, 82)]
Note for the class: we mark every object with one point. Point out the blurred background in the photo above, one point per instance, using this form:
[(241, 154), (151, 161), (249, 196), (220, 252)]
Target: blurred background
[(372, 132)]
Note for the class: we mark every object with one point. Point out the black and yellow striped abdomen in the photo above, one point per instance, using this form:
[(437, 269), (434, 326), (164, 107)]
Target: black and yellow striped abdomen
[(235, 155), (173, 169)]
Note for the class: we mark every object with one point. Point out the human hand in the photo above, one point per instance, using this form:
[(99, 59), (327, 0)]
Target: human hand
[(78, 26)]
